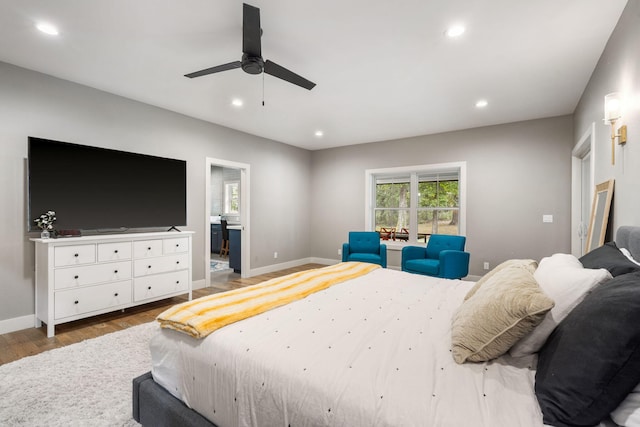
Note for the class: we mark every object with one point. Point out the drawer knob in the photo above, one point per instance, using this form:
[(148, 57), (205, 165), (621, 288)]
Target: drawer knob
[(76, 255), (148, 266), (115, 295), (115, 252), (177, 262), (177, 245), (76, 302), (75, 277), (149, 287), (177, 281), (149, 248), (116, 272)]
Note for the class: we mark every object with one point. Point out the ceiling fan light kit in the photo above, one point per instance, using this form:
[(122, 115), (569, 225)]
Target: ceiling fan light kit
[(252, 62)]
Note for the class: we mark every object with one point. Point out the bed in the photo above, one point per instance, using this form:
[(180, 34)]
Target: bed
[(390, 348)]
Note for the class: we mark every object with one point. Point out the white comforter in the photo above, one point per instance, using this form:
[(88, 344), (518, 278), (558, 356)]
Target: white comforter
[(374, 351)]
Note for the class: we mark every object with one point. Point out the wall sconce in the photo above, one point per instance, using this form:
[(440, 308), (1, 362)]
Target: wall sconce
[(613, 112)]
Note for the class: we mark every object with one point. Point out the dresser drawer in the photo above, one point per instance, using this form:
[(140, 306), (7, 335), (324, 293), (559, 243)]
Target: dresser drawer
[(90, 274), (73, 302), (114, 251), (147, 248), (157, 286), (146, 267), (175, 246), (74, 255)]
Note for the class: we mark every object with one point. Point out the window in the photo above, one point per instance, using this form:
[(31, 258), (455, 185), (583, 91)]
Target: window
[(231, 197), (392, 206), (409, 204), (438, 203)]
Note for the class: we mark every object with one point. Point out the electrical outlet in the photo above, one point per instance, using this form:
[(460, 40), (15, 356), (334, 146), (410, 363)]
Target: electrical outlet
[(339, 251), (486, 265), (275, 255)]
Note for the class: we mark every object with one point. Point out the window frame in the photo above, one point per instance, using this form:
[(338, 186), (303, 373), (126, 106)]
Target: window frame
[(371, 175), (227, 198)]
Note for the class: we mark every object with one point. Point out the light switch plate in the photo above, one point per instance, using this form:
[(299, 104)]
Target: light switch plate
[(547, 218)]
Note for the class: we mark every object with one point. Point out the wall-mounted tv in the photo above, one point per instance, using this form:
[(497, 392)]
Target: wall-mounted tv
[(92, 188)]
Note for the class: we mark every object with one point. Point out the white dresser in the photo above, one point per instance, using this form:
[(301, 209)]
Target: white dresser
[(79, 277)]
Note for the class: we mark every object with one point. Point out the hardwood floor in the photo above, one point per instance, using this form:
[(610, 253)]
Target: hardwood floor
[(19, 344)]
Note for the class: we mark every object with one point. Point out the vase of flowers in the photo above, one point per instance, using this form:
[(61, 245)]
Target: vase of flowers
[(45, 223)]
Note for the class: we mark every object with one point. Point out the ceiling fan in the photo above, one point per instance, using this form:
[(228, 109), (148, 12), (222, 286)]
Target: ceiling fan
[(252, 61)]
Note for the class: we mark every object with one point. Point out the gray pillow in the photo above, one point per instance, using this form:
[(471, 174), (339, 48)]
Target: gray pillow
[(591, 362), (608, 256)]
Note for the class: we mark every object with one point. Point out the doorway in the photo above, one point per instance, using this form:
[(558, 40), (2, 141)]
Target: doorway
[(582, 187), (229, 201)]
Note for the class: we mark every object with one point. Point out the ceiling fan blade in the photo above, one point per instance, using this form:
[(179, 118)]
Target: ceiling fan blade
[(251, 31), (280, 72), (216, 69)]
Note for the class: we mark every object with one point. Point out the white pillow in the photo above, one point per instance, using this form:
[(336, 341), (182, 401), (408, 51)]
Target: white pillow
[(628, 412), (626, 253), (563, 278)]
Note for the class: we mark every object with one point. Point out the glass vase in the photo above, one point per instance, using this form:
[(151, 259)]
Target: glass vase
[(45, 234)]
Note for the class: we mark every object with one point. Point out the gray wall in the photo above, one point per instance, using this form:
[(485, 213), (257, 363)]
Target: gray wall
[(515, 173), (33, 104), (618, 70)]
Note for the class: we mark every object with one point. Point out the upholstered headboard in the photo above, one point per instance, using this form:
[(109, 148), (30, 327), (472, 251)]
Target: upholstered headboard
[(629, 237)]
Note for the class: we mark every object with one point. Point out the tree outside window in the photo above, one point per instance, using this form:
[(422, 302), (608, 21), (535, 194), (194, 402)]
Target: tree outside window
[(438, 209), (393, 200)]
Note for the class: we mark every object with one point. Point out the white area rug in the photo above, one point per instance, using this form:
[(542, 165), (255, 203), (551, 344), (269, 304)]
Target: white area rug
[(219, 266), (83, 384)]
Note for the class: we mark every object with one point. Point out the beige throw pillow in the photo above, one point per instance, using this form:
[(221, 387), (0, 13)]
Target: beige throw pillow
[(506, 307), (528, 264)]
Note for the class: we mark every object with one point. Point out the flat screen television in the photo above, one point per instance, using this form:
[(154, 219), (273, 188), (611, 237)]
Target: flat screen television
[(92, 188)]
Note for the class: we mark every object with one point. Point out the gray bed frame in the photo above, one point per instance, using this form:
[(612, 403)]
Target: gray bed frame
[(155, 407), (629, 237)]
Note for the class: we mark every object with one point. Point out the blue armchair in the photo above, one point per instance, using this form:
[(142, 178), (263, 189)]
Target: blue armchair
[(444, 257), (365, 246)]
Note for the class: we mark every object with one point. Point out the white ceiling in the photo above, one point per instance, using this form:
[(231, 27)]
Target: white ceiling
[(383, 69)]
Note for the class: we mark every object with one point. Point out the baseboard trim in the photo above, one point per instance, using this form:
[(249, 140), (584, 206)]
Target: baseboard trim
[(325, 261), (198, 284), (17, 324), (290, 264)]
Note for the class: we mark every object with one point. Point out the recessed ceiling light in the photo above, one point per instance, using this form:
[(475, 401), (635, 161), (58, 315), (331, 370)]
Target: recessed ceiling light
[(482, 103), (47, 28), (319, 133), (237, 102), (455, 31)]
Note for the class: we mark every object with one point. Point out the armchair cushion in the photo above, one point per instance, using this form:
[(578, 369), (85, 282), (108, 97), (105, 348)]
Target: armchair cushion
[(440, 242), (364, 257), (429, 267), (364, 242)]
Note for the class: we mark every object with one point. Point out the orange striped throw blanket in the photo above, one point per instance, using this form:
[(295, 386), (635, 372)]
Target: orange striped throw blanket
[(202, 316)]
